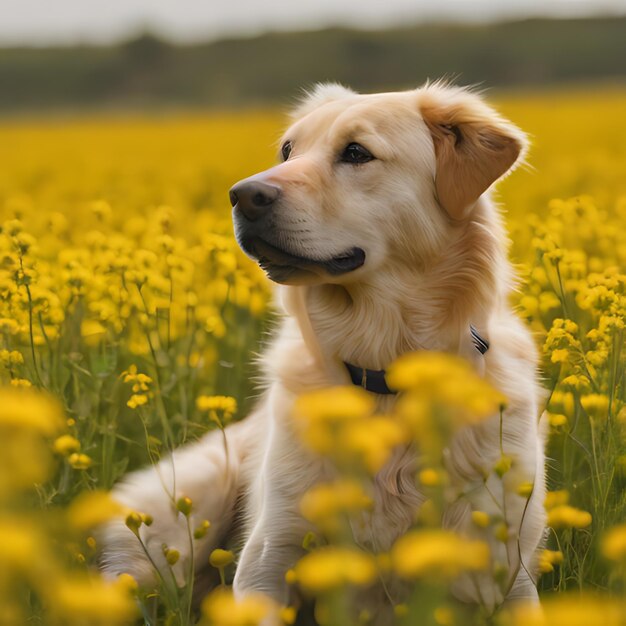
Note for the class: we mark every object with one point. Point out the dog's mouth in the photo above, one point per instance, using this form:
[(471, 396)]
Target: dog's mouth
[(285, 267)]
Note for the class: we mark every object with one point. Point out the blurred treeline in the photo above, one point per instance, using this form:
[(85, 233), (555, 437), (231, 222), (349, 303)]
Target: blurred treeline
[(150, 72)]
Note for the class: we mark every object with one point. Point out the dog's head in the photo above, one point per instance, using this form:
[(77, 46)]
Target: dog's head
[(365, 179)]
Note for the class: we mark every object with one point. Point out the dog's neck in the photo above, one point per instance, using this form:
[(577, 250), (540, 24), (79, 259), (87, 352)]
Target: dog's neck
[(372, 322)]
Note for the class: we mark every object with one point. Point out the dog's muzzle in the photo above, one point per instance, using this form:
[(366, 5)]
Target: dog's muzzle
[(254, 203)]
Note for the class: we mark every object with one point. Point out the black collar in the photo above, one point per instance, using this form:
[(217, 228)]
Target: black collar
[(375, 381)]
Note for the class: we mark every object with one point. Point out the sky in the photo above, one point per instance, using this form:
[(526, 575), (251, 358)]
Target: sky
[(44, 22)]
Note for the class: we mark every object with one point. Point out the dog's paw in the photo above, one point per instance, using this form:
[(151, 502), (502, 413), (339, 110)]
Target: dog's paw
[(121, 553)]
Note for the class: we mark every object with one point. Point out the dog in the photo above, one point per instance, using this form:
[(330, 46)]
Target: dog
[(378, 227)]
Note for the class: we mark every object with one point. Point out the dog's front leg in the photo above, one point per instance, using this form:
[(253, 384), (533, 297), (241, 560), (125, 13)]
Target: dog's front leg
[(516, 517), (278, 529), (274, 545)]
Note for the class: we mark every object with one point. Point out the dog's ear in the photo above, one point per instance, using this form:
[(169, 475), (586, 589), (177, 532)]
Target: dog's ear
[(474, 146), (319, 95)]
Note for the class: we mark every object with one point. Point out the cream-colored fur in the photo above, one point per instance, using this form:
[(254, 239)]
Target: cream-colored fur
[(435, 263)]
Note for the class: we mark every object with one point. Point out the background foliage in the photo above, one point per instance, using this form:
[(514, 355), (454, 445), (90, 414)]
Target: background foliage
[(150, 72)]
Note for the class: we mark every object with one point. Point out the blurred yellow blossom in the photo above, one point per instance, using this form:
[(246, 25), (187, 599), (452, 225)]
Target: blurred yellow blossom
[(342, 426), (565, 516), (90, 600), (30, 410), (548, 559), (324, 503), (220, 608), (437, 553), (220, 408), (80, 461), (331, 568), (66, 445), (92, 508), (571, 610), (614, 543), (556, 498), (596, 405), (137, 399), (481, 519), (447, 379), (92, 332)]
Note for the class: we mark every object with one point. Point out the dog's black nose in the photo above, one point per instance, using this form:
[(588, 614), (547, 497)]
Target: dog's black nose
[(253, 198)]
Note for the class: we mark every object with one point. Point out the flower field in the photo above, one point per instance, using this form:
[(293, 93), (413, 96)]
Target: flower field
[(129, 320)]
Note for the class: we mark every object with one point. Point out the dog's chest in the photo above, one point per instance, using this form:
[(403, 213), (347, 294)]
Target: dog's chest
[(396, 501)]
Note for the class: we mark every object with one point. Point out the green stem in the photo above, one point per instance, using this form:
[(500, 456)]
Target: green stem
[(30, 323)]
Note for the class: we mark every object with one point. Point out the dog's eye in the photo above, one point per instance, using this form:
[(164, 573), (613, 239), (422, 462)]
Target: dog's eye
[(355, 153), (285, 151)]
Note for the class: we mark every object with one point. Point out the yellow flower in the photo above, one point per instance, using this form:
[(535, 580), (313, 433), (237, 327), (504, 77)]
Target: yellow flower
[(556, 498), (133, 521), (184, 505), (548, 559), (288, 615), (140, 381), (557, 420), (429, 477), (614, 543), (597, 358), (338, 421), (371, 440), (501, 532), (438, 554), (331, 568), (21, 544), (28, 409), (570, 610), (221, 558), (443, 394), (202, 529), (127, 582), (565, 516), (324, 503), (448, 380), (21, 382), (91, 600), (25, 459), (171, 555), (560, 356), (444, 616), (80, 461), (11, 358), (562, 402), (221, 609), (92, 332), (525, 489), (577, 381), (91, 508), (596, 405), (66, 445), (425, 370), (226, 406), (503, 465), (335, 403), (481, 519), (137, 400)]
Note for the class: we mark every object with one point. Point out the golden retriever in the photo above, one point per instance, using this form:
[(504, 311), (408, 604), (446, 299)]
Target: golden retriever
[(379, 228)]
